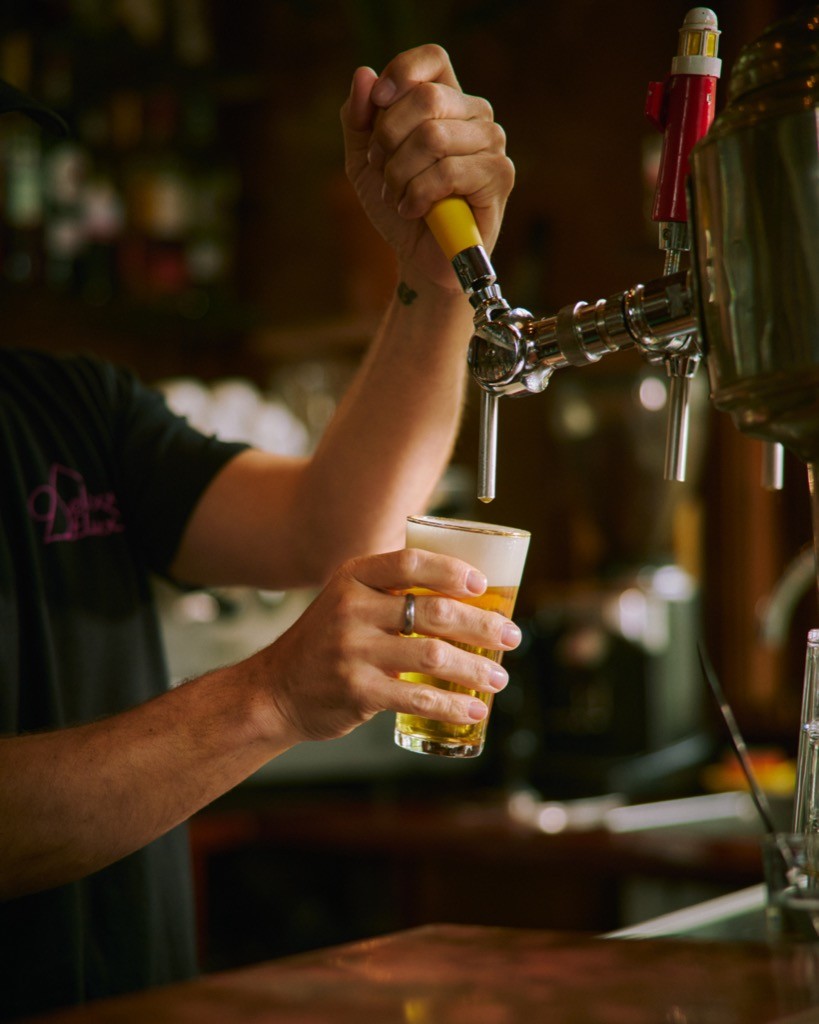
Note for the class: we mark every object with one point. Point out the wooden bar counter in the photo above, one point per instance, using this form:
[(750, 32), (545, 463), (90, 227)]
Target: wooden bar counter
[(465, 974)]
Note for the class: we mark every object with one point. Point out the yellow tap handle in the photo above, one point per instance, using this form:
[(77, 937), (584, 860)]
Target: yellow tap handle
[(452, 223)]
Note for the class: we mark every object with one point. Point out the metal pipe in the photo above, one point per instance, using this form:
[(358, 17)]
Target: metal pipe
[(488, 446), (676, 438)]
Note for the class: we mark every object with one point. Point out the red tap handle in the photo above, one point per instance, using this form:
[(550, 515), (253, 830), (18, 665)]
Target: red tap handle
[(682, 108)]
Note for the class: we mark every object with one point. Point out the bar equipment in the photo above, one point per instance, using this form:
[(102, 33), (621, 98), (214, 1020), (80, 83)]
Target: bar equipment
[(511, 352), (749, 304), (794, 894), (605, 693), (806, 801), (740, 749), (741, 192)]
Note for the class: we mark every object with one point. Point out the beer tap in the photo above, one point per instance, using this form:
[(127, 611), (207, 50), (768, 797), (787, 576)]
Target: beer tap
[(453, 225), (749, 300), (512, 353), (682, 108)]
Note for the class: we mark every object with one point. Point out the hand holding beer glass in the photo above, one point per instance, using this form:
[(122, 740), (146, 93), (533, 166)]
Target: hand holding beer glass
[(499, 552)]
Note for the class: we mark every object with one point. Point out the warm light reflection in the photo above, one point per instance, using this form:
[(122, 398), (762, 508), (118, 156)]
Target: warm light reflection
[(653, 394), (552, 819)]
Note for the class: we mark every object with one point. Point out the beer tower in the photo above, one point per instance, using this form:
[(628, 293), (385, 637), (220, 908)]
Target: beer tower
[(748, 305), (743, 193)]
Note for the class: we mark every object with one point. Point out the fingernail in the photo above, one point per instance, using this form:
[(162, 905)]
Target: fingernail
[(510, 637), (383, 91), (475, 582), (500, 677), (477, 710)]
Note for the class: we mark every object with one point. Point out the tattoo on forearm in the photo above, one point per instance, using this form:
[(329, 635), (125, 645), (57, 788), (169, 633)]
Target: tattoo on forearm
[(405, 294)]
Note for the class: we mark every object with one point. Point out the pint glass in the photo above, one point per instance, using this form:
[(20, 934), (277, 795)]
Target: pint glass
[(499, 552)]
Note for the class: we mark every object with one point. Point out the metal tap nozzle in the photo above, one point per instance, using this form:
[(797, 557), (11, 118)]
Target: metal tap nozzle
[(488, 446), (478, 280), (773, 466), (680, 369)]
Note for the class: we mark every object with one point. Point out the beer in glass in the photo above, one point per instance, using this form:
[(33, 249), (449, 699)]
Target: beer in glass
[(499, 552)]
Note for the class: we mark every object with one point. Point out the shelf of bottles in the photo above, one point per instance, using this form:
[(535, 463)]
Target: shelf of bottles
[(136, 207)]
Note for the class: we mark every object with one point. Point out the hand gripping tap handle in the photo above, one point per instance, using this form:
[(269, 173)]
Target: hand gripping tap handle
[(452, 223)]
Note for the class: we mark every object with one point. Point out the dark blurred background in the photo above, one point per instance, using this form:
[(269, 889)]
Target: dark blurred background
[(198, 227)]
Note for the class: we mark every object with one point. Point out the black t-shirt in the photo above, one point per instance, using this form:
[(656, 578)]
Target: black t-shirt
[(98, 480)]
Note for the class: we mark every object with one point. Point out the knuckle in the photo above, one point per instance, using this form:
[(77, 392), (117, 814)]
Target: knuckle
[(388, 137), (436, 52), (427, 96), (409, 562), (493, 626), (485, 110), (346, 607), (441, 614), (434, 136), (511, 174), (498, 136), (455, 708), (434, 656), (425, 701)]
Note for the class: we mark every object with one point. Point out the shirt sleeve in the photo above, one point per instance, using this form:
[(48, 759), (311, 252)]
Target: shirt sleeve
[(162, 464)]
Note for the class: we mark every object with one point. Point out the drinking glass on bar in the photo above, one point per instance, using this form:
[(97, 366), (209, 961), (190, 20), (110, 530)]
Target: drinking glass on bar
[(499, 552), (806, 804)]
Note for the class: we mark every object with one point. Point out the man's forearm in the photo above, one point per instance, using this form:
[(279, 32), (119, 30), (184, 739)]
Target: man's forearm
[(75, 800), (392, 437), (291, 522)]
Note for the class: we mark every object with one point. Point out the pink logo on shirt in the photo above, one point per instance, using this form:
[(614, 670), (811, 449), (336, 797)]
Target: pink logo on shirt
[(69, 511)]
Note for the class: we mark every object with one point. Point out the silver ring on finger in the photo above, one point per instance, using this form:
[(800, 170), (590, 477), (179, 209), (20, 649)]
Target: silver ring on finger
[(408, 625)]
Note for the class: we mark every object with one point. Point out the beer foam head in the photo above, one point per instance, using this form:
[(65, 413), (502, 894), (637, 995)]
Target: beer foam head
[(497, 551)]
